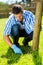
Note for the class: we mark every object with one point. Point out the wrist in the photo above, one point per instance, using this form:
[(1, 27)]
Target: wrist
[(11, 44)]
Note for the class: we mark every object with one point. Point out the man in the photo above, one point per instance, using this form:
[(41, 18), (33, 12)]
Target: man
[(20, 24)]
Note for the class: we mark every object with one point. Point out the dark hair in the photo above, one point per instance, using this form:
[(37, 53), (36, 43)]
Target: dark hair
[(16, 9)]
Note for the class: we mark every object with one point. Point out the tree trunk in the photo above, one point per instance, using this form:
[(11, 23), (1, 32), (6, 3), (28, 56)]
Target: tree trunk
[(36, 33)]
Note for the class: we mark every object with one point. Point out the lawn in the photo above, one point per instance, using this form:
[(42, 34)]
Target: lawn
[(8, 57)]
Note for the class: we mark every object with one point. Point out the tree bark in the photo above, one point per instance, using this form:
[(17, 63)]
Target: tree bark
[(36, 33)]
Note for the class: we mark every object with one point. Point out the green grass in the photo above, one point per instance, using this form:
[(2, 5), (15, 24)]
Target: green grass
[(8, 57)]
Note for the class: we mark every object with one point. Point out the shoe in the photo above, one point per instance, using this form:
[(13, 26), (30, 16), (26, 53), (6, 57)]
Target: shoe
[(17, 44), (25, 43)]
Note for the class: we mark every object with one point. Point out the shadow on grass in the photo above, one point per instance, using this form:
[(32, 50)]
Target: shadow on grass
[(37, 58), (26, 49), (11, 56), (14, 58)]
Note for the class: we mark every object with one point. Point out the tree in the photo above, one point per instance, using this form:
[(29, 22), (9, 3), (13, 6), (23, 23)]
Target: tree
[(36, 33)]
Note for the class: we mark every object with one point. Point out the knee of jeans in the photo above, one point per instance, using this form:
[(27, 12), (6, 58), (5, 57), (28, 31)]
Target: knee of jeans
[(14, 30)]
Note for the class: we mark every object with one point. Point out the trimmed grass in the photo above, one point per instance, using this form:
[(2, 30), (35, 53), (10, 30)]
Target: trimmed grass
[(8, 57)]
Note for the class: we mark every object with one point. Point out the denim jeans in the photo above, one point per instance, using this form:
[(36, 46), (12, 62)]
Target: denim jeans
[(16, 32)]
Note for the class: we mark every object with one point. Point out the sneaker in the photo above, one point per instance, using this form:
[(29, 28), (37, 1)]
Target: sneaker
[(25, 43), (17, 44)]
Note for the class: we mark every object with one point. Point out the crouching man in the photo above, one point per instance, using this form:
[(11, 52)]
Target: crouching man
[(19, 24)]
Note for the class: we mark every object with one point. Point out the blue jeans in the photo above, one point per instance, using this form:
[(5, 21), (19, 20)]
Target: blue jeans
[(16, 32)]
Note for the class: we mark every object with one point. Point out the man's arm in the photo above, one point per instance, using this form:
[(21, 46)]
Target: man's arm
[(7, 39), (14, 47)]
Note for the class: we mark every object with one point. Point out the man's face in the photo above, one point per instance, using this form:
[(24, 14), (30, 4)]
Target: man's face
[(19, 17)]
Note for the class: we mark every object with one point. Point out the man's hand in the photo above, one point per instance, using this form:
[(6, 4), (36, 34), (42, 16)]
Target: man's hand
[(16, 49)]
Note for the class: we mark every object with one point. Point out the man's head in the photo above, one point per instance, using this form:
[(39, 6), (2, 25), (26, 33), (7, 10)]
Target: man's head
[(18, 12)]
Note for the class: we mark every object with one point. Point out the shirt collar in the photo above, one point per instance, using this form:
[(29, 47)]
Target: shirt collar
[(17, 20)]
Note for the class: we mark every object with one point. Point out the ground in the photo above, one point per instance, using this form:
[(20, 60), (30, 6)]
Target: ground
[(8, 57)]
